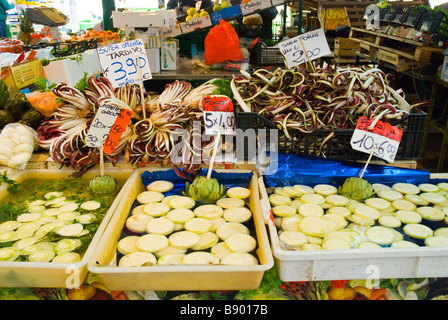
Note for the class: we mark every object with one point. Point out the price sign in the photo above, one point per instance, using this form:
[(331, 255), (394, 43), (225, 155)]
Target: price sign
[(384, 137), (119, 62), (310, 45), (218, 114), (107, 127)]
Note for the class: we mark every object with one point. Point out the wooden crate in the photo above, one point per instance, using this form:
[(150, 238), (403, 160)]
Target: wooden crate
[(346, 47), (400, 62)]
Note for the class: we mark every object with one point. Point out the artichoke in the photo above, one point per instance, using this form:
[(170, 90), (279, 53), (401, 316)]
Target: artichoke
[(205, 190), (5, 118), (103, 185), (32, 118), (356, 188)]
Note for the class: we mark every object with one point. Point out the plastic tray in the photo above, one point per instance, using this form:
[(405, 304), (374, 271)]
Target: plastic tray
[(57, 275), (384, 263), (177, 277), (338, 146), (262, 55)]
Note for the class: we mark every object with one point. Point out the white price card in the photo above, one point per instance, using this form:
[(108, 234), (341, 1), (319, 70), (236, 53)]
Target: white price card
[(107, 127), (219, 116), (119, 62), (310, 45), (384, 138)]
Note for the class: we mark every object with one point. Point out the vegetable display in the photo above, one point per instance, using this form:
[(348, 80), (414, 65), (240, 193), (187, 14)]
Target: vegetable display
[(397, 216)]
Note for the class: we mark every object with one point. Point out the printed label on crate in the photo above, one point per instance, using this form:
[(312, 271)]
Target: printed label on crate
[(119, 62), (107, 127), (170, 32), (383, 138), (254, 6), (195, 24), (229, 12), (277, 2), (305, 47), (219, 115)]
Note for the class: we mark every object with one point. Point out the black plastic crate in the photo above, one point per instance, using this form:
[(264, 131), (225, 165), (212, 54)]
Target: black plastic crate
[(261, 55), (413, 16), (399, 12), (336, 144), (64, 49), (430, 21)]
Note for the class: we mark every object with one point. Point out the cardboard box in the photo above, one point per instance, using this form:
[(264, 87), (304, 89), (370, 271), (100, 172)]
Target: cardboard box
[(169, 54), (254, 6), (169, 32), (229, 12), (154, 59), (195, 24), (23, 74), (142, 19)]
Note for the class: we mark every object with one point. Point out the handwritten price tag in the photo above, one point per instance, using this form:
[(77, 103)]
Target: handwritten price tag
[(218, 113), (107, 127), (295, 50), (384, 137), (119, 62)]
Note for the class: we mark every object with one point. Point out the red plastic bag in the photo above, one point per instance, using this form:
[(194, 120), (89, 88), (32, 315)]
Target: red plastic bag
[(221, 44)]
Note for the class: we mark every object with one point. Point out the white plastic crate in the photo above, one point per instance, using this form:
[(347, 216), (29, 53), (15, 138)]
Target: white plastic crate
[(381, 263)]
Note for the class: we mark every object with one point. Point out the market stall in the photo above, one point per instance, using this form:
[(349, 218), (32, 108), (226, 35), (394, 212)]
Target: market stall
[(156, 161)]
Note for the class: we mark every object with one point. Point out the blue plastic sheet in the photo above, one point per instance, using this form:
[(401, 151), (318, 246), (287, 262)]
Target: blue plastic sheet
[(309, 170)]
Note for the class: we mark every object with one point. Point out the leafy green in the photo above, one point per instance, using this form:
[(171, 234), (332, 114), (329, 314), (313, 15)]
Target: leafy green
[(223, 88), (13, 185), (82, 83), (41, 84), (18, 294)]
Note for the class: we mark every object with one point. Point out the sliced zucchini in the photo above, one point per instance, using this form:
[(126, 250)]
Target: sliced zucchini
[(278, 200), (380, 235), (200, 257), (9, 236), (313, 198), (146, 197), (404, 244), (10, 225), (291, 192), (432, 197), (28, 217), (70, 257), (86, 218), (279, 191), (296, 203), (380, 186), (311, 210), (152, 242), (41, 256), (40, 209), (360, 220), (311, 246), (335, 244), (138, 210), (208, 211), (239, 259), (428, 187), (284, 211), (53, 194), (227, 203), (58, 202), (293, 238), (443, 186), (206, 241), (441, 232), (171, 259), (325, 189), (291, 222), (198, 225), (37, 203), (162, 226), (28, 227), (45, 229), (238, 193), (313, 226), (69, 207), (430, 213), (183, 239), (90, 205), (241, 242), (378, 203), (406, 188), (339, 221), (68, 216), (403, 204), (408, 216), (341, 211), (352, 204), (46, 220), (337, 200), (229, 228), (390, 195), (137, 259), (66, 245), (156, 209), (445, 210), (23, 243), (160, 186), (237, 214), (52, 212), (220, 250), (166, 200), (389, 221), (137, 223), (368, 245), (436, 241), (169, 250), (178, 202), (127, 245), (9, 254), (418, 231), (216, 223), (349, 237), (314, 240), (367, 212), (181, 215), (303, 189), (70, 230)]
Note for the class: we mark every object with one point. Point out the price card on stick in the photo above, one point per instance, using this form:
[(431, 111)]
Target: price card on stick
[(383, 137), (119, 62), (304, 48), (107, 127), (219, 116)]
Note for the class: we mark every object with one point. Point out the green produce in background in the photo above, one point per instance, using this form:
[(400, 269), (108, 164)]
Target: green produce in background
[(4, 94), (356, 188), (103, 185), (205, 190)]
